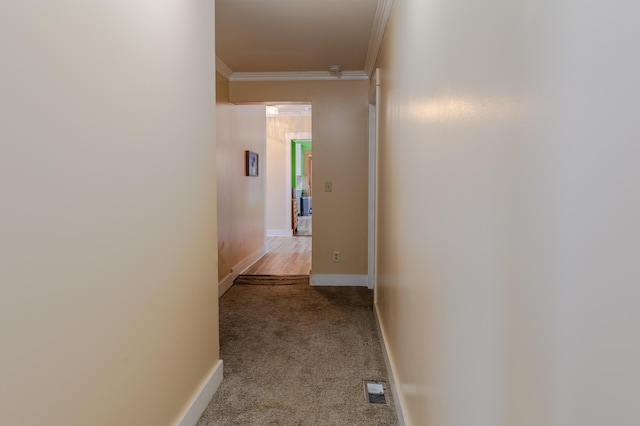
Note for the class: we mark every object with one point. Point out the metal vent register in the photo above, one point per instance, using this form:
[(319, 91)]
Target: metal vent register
[(374, 392)]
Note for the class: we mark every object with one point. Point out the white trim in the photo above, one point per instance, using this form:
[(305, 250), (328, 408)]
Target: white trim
[(202, 397), (288, 210), (297, 76), (265, 195), (383, 10), (279, 233), (227, 281), (371, 225), (399, 401), (373, 89), (376, 184), (338, 280), (223, 69)]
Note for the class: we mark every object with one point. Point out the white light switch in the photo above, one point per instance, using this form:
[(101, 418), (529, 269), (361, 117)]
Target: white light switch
[(328, 186)]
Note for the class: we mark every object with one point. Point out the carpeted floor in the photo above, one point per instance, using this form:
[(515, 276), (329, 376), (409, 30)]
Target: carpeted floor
[(298, 355)]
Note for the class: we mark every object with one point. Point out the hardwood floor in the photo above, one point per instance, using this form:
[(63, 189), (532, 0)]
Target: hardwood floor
[(285, 256)]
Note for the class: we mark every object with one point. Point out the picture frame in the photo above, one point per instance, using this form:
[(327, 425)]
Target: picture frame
[(251, 163)]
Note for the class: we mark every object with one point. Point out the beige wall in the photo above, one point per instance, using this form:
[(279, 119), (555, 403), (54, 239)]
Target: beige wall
[(340, 150), (108, 296), (278, 200), (241, 199), (508, 211)]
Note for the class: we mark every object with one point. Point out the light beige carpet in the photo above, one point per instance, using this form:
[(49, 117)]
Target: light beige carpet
[(298, 355)]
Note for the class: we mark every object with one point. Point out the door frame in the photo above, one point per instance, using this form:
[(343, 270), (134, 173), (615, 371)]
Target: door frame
[(374, 115)]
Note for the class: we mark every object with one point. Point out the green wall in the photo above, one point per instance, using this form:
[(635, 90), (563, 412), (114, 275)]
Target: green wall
[(306, 146)]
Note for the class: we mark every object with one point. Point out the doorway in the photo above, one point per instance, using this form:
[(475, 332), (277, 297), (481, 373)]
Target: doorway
[(289, 170), (302, 184)]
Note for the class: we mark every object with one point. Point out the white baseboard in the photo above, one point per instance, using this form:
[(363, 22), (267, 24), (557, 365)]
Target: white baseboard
[(202, 397), (388, 360), (227, 281), (340, 280), (279, 233), (370, 282)]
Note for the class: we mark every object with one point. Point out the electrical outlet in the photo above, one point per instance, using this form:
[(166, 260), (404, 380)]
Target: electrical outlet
[(336, 256), (328, 186)]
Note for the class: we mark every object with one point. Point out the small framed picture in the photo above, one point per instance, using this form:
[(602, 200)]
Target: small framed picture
[(251, 160)]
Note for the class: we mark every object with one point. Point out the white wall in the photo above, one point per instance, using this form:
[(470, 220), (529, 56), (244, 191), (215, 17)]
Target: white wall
[(108, 296), (508, 211)]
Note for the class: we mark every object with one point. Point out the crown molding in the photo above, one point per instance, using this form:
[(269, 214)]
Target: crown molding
[(383, 10), (223, 69), (297, 76)]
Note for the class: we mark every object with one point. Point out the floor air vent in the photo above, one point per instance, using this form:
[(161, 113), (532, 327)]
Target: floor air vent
[(374, 392)]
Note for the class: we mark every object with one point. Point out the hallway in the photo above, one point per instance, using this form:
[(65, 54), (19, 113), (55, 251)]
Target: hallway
[(298, 355), (474, 162)]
